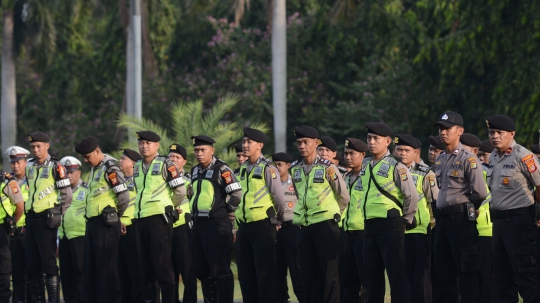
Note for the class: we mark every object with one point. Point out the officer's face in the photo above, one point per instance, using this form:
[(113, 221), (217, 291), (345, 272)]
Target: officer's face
[(126, 163), (74, 177), (378, 145), (406, 154), (484, 158), (18, 167), (39, 149), (501, 139), (433, 153), (178, 160), (148, 148), (450, 135), (283, 168), (203, 154), (93, 158), (240, 158), (250, 147), (326, 153), (473, 150), (307, 146), (353, 158)]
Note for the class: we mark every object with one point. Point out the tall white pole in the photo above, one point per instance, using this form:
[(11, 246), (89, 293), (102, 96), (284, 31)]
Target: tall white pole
[(137, 66), (130, 62), (9, 97), (279, 74)]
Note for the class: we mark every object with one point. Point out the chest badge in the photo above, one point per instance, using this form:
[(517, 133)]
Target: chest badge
[(506, 181)]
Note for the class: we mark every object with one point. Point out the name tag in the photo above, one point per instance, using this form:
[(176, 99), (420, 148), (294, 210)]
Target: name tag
[(358, 185), (209, 174), (98, 176), (155, 169), (319, 175), (176, 183), (297, 176), (136, 172), (257, 174), (45, 173), (415, 179), (31, 173), (120, 188), (383, 170), (80, 196)]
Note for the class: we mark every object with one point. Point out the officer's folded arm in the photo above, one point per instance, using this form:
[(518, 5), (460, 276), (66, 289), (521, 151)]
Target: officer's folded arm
[(410, 195)]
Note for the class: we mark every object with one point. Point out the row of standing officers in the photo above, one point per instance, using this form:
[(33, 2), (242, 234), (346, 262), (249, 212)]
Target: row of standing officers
[(336, 234)]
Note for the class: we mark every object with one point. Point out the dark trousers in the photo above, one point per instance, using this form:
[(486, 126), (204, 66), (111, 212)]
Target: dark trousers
[(418, 263), (318, 254), (384, 249), (5, 265), (488, 284), (129, 273), (71, 257), (100, 261), (434, 281), (343, 291), (154, 245), (183, 264), (256, 260), (286, 258), (456, 239), (40, 248), (353, 269), (18, 265), (514, 259)]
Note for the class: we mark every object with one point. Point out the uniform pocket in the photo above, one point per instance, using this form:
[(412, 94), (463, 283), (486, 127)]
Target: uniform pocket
[(526, 259), (507, 178), (455, 178), (469, 258)]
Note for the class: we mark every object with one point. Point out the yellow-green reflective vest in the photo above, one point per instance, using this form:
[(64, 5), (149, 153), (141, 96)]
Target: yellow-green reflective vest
[(129, 213), (153, 191), (6, 208), (316, 199), (483, 222), (42, 192), (73, 222), (353, 216), (422, 214), (184, 206), (209, 197), (256, 198), (100, 193), (376, 205), (24, 193)]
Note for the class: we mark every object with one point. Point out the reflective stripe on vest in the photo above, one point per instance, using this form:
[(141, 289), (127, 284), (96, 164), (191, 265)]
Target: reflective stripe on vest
[(153, 191), (206, 191), (483, 222), (353, 214), (6, 204), (24, 193), (184, 206), (74, 223), (422, 214), (256, 198), (129, 213), (100, 194), (42, 192)]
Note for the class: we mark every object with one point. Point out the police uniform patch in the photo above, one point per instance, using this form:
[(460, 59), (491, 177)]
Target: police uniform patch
[(273, 173), (331, 173), (403, 174), (458, 162), (383, 170), (455, 173), (297, 176), (61, 171), (209, 174), (506, 181), (14, 187), (472, 162), (173, 171), (319, 175), (227, 177), (415, 179), (431, 180), (290, 205), (113, 178)]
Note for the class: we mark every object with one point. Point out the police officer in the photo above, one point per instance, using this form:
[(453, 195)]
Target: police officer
[(513, 178), (181, 256), (340, 162), (71, 234), (212, 181), (240, 158), (436, 146), (129, 273), (462, 190), (286, 256), (484, 151), (160, 188), (389, 207), (322, 197), (353, 222), (418, 151), (18, 159), (417, 240), (10, 195), (48, 185), (258, 213), (327, 148)]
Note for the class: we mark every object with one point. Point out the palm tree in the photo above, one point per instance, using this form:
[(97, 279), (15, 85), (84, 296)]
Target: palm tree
[(191, 119)]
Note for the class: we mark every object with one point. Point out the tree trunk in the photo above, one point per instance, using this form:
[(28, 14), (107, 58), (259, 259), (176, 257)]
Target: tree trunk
[(9, 97), (279, 74)]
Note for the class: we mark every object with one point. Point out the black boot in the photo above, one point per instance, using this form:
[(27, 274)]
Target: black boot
[(19, 292), (53, 288), (37, 289), (225, 289), (167, 293), (209, 290)]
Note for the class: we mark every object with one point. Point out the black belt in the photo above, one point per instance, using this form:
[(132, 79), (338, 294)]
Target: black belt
[(200, 218), (286, 224), (93, 218), (501, 214), (453, 209), (32, 214)]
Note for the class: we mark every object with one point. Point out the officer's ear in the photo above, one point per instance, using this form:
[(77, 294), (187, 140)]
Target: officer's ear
[(47, 145), (261, 145), (460, 129), (513, 134), (157, 145), (388, 141)]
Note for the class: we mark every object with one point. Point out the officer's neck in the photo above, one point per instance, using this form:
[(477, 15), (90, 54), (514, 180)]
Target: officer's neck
[(356, 170), (149, 159), (128, 172), (310, 158), (409, 165), (254, 158), (74, 185), (284, 177), (379, 156), (19, 176), (42, 160), (452, 147)]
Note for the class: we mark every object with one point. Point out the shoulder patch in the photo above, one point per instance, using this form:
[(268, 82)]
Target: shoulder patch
[(431, 179), (227, 176), (113, 178), (331, 173), (62, 173), (392, 160), (295, 162), (403, 174), (84, 184), (472, 162), (325, 162), (14, 187), (530, 163), (273, 172), (527, 158)]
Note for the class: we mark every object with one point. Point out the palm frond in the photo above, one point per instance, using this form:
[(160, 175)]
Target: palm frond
[(216, 113)]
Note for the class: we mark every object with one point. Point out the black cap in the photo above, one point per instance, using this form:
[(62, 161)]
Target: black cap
[(379, 128), (255, 135), (202, 140), (449, 119), (87, 145), (341, 159), (405, 139), (38, 137), (470, 140), (418, 143), (148, 136), (486, 147), (238, 147), (282, 157), (535, 148), (501, 122), (179, 149), (328, 143), (133, 155), (304, 131), (356, 144), (437, 142)]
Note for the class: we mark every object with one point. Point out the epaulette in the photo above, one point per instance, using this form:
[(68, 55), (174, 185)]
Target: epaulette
[(53, 159), (109, 163), (218, 160), (266, 160), (392, 160), (325, 162), (161, 158), (367, 159), (84, 184), (422, 168), (31, 159), (295, 162), (187, 175)]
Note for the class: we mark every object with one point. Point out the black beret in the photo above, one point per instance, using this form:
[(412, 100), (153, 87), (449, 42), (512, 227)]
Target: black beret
[(328, 143), (38, 137), (87, 145), (405, 139), (418, 143), (133, 155), (470, 140), (202, 140), (535, 148), (437, 142), (238, 147), (304, 131), (282, 157), (501, 122), (449, 119), (356, 144), (486, 147), (379, 128), (341, 159), (255, 135), (179, 149), (148, 136)]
